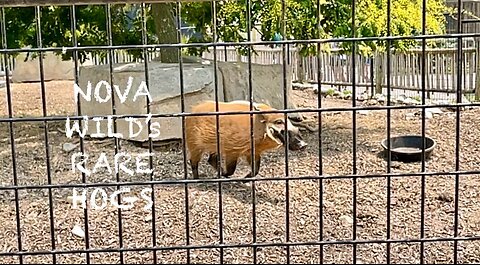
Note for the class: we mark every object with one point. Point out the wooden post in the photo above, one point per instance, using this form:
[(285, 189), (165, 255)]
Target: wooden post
[(378, 73), (477, 72)]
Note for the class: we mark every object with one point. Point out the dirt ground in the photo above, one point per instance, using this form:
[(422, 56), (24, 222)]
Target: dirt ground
[(272, 198)]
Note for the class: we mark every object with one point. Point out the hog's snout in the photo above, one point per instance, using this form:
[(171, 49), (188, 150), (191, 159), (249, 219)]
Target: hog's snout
[(295, 141)]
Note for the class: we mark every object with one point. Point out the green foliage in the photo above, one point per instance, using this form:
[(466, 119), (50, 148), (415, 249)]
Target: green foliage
[(301, 23), (91, 28)]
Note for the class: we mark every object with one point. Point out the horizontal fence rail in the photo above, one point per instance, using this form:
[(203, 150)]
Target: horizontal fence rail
[(112, 163)]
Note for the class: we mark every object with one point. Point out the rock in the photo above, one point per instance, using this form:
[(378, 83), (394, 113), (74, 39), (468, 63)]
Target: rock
[(445, 197), (410, 116), (363, 97), (428, 115), (54, 68), (3, 83), (441, 102), (78, 231), (411, 101), (434, 110), (328, 204), (372, 102), (466, 101), (148, 218), (346, 220), (301, 86), (68, 147), (382, 100), (323, 90), (363, 112), (395, 165), (401, 99)]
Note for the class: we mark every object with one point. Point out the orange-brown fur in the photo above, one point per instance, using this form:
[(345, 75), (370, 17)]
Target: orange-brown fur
[(235, 138)]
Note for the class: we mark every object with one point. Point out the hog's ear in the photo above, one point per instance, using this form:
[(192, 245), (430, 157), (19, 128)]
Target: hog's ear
[(260, 116)]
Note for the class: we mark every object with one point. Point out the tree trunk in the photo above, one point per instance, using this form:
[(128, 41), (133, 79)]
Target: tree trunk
[(166, 31), (300, 69)]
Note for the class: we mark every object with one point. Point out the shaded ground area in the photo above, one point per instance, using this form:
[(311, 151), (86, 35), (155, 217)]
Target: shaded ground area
[(272, 198)]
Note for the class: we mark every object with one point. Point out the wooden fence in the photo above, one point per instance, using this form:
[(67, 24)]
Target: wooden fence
[(405, 70)]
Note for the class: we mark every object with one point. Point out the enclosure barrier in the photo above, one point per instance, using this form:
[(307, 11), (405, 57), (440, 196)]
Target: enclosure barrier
[(260, 192), (405, 73)]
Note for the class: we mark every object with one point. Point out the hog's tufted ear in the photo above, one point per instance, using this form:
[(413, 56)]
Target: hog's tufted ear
[(260, 116)]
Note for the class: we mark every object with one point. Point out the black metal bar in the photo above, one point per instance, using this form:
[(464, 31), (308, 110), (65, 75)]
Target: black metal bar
[(389, 128), (114, 111), (44, 112), (252, 141), (279, 178), (12, 135), (466, 21), (150, 143), (354, 138), (457, 127), (422, 193), (320, 146), (291, 244), (79, 112), (219, 154), (296, 110), (185, 159), (245, 43), (404, 88), (285, 106)]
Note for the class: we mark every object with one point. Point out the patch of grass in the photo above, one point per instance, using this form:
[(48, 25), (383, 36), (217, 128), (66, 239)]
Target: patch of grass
[(330, 92)]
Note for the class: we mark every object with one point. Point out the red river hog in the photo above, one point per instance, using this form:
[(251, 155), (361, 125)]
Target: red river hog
[(234, 135)]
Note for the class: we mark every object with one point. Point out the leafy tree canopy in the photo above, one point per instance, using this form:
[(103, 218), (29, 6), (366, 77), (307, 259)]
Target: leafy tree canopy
[(300, 22)]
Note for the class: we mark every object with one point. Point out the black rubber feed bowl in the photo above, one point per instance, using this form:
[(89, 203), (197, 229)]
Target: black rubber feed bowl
[(408, 148)]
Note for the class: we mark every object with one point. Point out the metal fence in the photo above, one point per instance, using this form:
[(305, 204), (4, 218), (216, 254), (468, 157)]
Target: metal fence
[(337, 200), (405, 69)]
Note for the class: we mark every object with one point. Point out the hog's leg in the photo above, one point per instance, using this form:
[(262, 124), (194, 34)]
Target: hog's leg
[(256, 168), (213, 160), (194, 160), (231, 165)]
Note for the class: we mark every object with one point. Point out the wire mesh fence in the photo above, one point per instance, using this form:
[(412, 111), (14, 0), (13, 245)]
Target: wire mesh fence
[(181, 160)]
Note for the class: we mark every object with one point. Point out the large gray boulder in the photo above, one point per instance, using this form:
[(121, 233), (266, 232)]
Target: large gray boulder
[(54, 68), (267, 83)]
